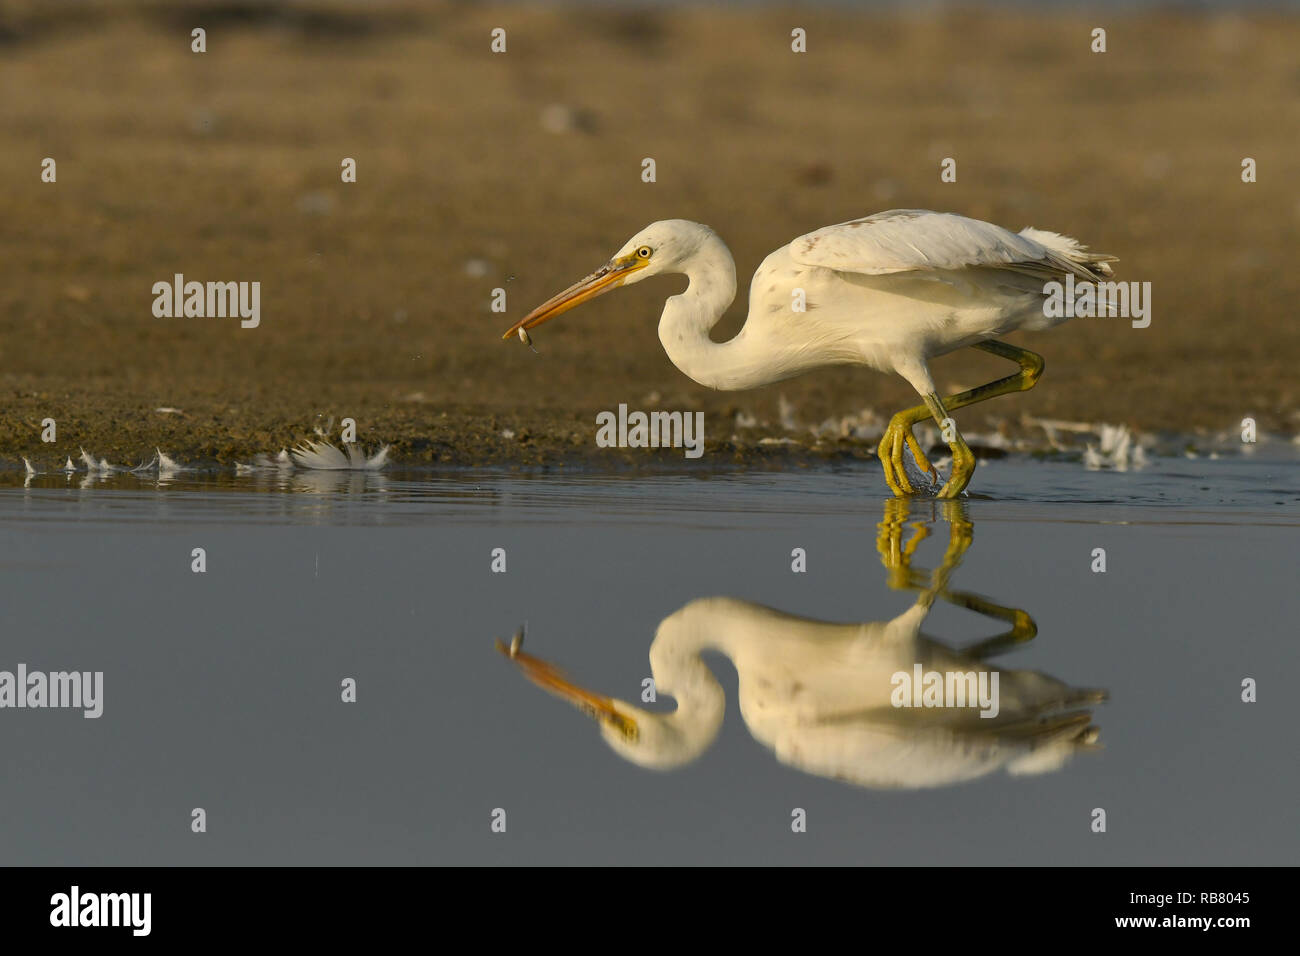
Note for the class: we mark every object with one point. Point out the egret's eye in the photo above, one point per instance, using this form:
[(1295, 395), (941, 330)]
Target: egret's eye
[(644, 252)]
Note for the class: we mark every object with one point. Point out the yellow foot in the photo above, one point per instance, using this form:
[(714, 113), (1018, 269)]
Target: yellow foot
[(890, 451), (963, 466)]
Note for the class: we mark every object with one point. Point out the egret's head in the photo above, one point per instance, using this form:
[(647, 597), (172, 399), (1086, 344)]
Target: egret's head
[(661, 247), (642, 737)]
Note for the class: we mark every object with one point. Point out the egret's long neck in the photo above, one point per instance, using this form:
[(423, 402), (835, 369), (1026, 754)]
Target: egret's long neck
[(687, 318), (680, 673)]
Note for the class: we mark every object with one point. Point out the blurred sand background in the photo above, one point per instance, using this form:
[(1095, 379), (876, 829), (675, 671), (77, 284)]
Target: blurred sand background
[(522, 171)]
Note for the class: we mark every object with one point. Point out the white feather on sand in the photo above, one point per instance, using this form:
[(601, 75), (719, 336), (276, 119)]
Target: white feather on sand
[(865, 425), (264, 462), (323, 456), (101, 467), (166, 465), (1117, 450), (1053, 427)]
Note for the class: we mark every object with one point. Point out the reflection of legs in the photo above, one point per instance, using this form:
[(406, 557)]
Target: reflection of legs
[(896, 556), (1023, 627), (899, 433)]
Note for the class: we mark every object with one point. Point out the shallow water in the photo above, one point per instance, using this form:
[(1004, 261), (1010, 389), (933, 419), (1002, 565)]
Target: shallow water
[(222, 689)]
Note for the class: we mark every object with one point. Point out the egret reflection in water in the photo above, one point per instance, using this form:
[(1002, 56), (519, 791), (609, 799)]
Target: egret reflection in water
[(835, 699)]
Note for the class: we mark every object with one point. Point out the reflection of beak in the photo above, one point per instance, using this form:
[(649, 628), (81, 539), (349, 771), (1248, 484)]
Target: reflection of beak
[(550, 678), (608, 276)]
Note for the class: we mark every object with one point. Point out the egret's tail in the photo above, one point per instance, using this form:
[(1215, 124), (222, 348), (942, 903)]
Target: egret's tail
[(1052, 742), (1096, 265)]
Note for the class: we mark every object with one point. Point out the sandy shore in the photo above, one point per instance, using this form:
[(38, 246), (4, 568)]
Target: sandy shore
[(521, 171)]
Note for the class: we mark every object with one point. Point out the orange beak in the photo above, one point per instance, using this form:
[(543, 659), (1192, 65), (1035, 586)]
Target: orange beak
[(609, 276), (550, 678)]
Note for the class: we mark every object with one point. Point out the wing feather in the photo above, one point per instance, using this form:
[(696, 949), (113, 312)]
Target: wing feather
[(917, 240)]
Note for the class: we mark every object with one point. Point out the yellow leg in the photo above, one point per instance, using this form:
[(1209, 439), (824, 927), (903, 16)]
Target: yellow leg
[(899, 433)]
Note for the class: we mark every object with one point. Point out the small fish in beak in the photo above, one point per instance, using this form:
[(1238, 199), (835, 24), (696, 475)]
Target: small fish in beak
[(605, 279), (550, 678)]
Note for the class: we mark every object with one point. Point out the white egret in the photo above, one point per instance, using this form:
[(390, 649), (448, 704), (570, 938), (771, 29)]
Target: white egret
[(890, 291), (824, 697)]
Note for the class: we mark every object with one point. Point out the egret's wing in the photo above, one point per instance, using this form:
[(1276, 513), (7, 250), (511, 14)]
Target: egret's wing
[(883, 758), (917, 240), (896, 750)]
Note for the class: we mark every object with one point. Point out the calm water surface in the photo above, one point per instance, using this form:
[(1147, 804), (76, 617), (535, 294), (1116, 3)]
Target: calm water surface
[(222, 689)]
